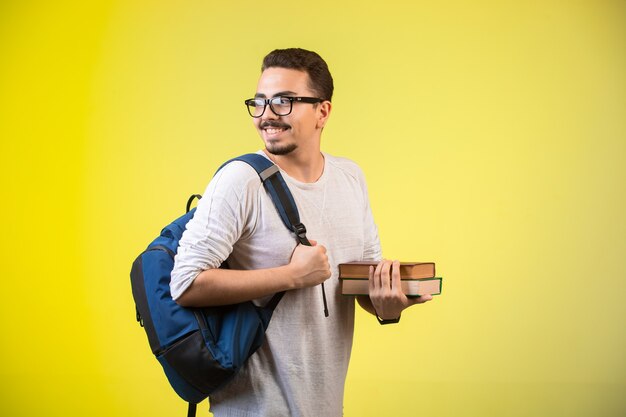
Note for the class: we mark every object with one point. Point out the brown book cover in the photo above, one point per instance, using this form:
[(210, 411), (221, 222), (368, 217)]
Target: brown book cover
[(408, 270), (411, 287)]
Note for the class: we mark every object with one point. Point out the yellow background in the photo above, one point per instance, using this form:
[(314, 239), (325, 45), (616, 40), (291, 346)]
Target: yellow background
[(492, 135)]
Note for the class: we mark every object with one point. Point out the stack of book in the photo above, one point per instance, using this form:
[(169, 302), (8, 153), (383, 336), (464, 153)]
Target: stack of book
[(416, 278)]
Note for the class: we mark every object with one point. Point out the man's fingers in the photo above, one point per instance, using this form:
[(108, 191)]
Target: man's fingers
[(377, 279), (421, 299), (385, 278), (395, 276)]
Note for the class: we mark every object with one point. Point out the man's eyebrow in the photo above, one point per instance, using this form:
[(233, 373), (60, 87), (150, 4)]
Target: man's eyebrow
[(281, 93)]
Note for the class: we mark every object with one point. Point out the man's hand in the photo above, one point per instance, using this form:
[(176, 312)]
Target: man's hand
[(309, 265), (386, 292)]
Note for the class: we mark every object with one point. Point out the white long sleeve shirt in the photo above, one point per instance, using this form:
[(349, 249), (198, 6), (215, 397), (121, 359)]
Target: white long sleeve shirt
[(301, 368)]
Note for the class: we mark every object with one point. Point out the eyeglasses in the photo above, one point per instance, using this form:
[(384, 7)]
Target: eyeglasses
[(281, 106)]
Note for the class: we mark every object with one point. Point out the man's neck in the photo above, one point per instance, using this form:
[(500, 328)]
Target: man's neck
[(303, 166)]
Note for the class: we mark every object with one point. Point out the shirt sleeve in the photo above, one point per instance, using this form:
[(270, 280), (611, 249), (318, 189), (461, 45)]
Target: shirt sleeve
[(221, 217)]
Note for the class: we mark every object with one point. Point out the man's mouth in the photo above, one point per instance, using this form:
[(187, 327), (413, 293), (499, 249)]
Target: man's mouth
[(273, 128)]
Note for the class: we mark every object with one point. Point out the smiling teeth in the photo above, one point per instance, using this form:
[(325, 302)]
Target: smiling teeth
[(272, 131)]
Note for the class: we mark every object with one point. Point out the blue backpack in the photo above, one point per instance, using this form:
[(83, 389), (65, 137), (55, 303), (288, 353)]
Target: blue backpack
[(200, 349)]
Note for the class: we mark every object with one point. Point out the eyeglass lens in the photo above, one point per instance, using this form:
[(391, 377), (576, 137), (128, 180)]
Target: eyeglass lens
[(279, 105)]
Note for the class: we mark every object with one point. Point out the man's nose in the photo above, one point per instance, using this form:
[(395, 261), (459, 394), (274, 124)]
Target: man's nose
[(269, 114)]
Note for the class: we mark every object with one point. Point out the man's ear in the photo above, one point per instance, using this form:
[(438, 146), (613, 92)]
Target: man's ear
[(323, 112)]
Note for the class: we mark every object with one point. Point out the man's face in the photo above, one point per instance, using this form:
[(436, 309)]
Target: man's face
[(284, 134)]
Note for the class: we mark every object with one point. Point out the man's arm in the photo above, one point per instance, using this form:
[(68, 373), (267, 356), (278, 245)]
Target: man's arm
[(386, 298), (308, 267)]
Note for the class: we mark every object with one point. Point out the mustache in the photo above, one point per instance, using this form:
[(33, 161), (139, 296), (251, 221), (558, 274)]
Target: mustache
[(273, 123)]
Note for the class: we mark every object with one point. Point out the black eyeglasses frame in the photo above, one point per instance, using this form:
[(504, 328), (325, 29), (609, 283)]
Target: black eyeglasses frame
[(248, 102)]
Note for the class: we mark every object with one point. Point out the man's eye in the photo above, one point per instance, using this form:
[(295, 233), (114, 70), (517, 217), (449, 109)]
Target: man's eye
[(281, 101)]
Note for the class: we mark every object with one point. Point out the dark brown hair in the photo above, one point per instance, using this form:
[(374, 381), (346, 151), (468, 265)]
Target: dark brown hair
[(320, 80)]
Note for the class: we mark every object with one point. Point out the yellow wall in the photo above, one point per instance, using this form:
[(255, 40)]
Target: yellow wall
[(492, 134)]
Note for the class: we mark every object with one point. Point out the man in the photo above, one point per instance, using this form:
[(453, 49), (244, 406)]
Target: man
[(301, 368)]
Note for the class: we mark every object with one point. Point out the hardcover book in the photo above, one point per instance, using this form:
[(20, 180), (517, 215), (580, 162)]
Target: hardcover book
[(417, 278), (410, 287), (408, 270)]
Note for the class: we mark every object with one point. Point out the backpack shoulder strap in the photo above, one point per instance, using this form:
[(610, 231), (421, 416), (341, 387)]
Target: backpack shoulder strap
[(277, 188)]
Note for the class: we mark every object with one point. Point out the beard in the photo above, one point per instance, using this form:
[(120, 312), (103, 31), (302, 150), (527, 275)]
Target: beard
[(281, 150), (273, 146)]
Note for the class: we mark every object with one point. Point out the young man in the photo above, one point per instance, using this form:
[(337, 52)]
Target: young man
[(301, 368)]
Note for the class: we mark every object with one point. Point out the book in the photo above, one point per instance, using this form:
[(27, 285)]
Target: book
[(417, 278), (408, 270), (411, 287)]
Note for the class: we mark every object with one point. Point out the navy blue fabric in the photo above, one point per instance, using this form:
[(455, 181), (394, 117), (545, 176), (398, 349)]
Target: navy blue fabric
[(240, 329), (198, 357), (171, 322), (281, 210)]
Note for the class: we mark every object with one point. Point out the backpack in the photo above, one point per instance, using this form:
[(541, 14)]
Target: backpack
[(200, 349)]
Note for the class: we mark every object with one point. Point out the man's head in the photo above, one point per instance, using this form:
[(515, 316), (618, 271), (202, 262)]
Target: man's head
[(320, 80), (292, 102)]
